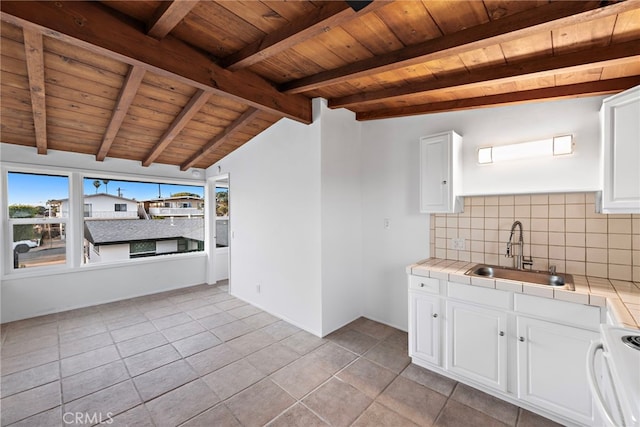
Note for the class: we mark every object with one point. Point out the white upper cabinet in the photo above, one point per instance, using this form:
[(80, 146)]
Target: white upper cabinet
[(621, 152), (440, 178)]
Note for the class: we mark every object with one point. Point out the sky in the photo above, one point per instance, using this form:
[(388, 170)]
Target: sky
[(35, 190)]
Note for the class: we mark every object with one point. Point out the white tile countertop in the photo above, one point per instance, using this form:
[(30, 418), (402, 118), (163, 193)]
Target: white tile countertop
[(621, 298)]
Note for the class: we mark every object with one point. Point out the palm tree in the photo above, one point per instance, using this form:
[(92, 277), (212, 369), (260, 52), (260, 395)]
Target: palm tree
[(97, 184), (105, 182)]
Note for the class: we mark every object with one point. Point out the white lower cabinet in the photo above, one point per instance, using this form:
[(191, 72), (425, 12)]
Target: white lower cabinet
[(476, 343), (552, 368), (530, 350), (425, 327)]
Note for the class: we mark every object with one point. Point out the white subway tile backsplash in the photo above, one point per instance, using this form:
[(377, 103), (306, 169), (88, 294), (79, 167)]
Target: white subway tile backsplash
[(559, 229)]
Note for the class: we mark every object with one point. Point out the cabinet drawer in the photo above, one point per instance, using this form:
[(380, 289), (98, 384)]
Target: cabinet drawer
[(427, 284), (569, 313)]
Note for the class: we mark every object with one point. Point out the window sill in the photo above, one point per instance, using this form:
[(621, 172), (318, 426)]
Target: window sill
[(52, 271)]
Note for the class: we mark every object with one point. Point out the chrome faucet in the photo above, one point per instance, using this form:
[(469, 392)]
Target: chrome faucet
[(520, 260)]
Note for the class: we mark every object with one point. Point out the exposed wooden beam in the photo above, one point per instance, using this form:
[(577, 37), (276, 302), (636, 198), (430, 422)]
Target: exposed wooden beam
[(602, 87), (34, 52), (94, 27), (168, 15), (194, 105), (220, 139), (321, 20), (537, 67), (532, 21), (125, 98)]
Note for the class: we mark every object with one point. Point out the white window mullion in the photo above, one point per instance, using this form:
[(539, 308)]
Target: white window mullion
[(5, 245), (75, 234)]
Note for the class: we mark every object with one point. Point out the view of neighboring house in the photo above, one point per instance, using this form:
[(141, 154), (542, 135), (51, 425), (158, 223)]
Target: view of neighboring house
[(178, 206), (113, 240), (103, 206)]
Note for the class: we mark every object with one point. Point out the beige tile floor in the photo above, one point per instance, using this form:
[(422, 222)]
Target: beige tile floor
[(200, 357)]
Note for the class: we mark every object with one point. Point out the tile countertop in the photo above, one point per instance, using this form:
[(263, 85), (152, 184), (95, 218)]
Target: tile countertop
[(620, 297)]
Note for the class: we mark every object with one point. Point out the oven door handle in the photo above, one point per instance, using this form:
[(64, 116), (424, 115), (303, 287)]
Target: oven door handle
[(593, 381)]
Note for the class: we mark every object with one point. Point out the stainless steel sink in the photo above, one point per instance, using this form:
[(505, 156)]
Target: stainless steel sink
[(558, 280)]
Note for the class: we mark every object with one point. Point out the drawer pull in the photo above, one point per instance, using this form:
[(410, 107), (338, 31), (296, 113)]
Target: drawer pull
[(435, 315), (422, 285), (521, 339), (501, 333)]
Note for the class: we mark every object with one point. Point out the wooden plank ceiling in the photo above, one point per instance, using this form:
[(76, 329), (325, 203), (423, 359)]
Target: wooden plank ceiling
[(187, 82)]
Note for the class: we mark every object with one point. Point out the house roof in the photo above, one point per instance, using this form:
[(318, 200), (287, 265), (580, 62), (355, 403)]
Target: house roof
[(100, 232), (90, 196), (187, 82), (163, 199)]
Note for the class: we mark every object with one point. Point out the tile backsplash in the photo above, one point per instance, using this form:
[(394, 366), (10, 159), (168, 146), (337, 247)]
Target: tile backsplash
[(561, 229)]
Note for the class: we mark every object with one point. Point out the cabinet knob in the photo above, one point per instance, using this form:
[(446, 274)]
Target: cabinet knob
[(521, 339), (444, 182), (501, 333), (422, 285), (435, 315)]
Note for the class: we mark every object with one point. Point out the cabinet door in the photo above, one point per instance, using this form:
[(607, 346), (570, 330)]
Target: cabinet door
[(477, 344), (438, 173), (424, 327), (552, 371), (621, 139)]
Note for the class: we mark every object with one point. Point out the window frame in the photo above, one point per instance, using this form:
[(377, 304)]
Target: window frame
[(8, 223), (74, 222)]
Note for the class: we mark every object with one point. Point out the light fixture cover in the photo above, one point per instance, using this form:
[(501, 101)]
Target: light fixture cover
[(559, 145)]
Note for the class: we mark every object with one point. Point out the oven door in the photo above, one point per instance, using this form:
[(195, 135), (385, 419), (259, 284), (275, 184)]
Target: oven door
[(602, 386)]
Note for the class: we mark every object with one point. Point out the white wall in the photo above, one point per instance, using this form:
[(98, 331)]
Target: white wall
[(341, 221), (38, 292), (33, 296), (390, 181), (275, 221), (222, 263), (110, 253)]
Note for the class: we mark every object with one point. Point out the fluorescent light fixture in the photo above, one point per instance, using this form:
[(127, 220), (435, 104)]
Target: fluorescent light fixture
[(555, 146)]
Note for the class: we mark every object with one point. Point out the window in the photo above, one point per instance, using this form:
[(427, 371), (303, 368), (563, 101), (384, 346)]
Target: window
[(133, 219), (144, 248), (87, 210), (37, 219)]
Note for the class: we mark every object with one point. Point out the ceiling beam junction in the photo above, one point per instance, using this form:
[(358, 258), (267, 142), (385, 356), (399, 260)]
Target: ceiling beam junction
[(92, 26), (321, 20), (530, 68), (34, 52), (601, 87), (236, 126), (194, 105), (168, 15), (519, 25), (125, 98)]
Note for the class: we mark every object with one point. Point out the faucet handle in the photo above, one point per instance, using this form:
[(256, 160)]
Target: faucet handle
[(527, 261), (552, 269), (508, 254)]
